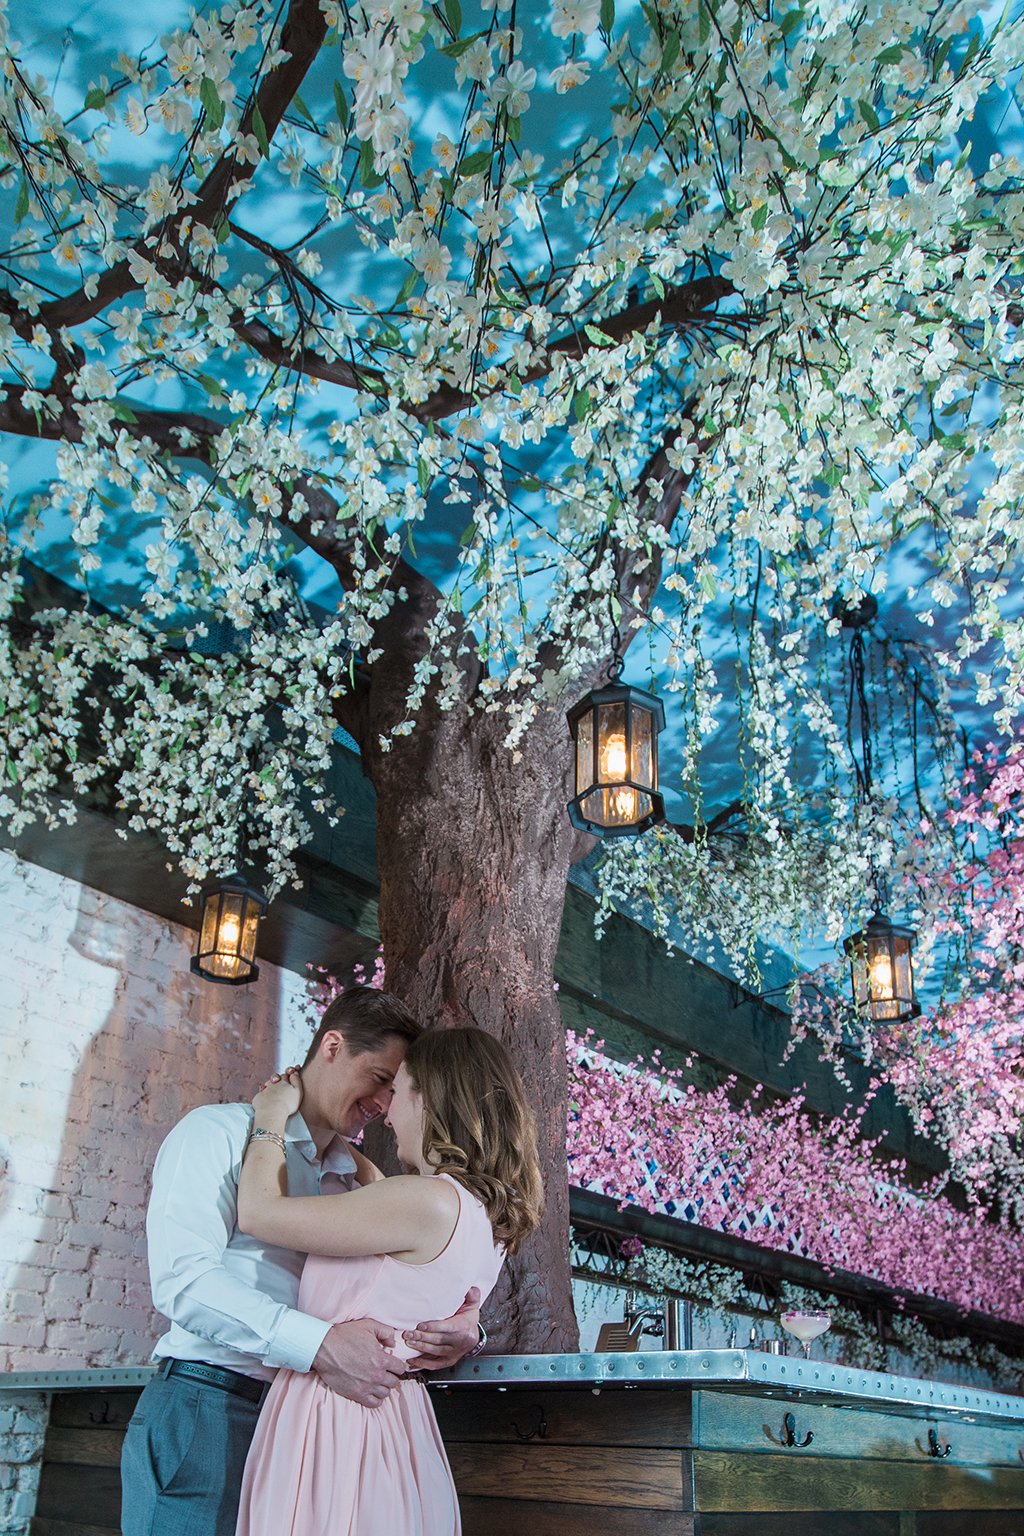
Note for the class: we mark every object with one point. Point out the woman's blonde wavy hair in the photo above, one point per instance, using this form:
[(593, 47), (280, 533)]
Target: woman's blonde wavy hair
[(478, 1127)]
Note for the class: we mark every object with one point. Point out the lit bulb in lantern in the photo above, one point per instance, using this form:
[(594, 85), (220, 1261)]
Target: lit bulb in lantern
[(880, 977), (229, 932), (613, 758)]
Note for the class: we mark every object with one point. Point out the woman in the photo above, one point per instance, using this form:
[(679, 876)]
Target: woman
[(397, 1250)]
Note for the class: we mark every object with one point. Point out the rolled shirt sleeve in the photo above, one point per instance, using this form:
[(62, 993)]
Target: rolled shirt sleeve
[(214, 1284)]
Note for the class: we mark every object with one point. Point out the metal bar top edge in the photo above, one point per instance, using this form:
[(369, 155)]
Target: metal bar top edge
[(780, 1375), (775, 1374)]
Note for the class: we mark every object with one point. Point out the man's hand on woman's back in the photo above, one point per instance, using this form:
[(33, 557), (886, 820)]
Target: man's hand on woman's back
[(355, 1360)]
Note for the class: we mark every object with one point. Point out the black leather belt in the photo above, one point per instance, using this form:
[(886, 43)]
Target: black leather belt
[(217, 1376)]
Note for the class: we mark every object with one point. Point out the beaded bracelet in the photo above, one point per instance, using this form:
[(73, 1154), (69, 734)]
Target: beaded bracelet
[(259, 1134)]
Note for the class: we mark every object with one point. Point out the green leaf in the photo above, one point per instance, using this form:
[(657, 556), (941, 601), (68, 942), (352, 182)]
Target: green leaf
[(412, 541), (124, 412), (259, 128), (890, 55), (212, 103), (95, 99), (968, 58), (600, 338), (760, 218), (673, 44), (21, 206), (529, 483), (467, 535), (453, 15), (407, 287), (423, 474), (473, 164), (368, 177), (12, 772), (708, 582), (607, 15), (790, 20), (456, 49), (341, 104), (869, 115), (581, 403), (657, 285), (214, 388), (222, 229), (455, 601), (303, 109), (514, 127), (703, 24), (941, 54)]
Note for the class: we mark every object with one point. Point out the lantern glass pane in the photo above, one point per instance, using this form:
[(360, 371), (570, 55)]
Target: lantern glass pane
[(584, 752), (904, 971), (250, 923), (208, 932), (612, 763), (622, 807), (225, 960), (642, 748)]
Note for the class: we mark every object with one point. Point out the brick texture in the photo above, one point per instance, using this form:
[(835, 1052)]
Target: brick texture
[(106, 1040)]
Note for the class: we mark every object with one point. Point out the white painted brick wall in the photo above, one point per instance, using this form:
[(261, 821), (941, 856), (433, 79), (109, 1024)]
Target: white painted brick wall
[(22, 1425), (106, 1040)]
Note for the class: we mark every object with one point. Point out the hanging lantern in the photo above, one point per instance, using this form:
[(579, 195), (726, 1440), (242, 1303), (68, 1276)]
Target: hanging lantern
[(882, 969), (227, 934), (615, 730)]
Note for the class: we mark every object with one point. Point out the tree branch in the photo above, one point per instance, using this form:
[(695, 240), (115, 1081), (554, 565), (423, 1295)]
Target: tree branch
[(301, 37), (680, 306)]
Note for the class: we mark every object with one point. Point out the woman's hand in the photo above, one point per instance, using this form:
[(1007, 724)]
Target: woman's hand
[(279, 1098)]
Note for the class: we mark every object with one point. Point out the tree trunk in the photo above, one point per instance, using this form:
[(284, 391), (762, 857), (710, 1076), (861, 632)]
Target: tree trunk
[(473, 852)]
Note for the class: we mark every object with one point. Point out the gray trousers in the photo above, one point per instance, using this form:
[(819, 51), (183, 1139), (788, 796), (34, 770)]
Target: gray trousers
[(181, 1466)]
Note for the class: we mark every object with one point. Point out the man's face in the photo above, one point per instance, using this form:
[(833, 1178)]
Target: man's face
[(357, 1088)]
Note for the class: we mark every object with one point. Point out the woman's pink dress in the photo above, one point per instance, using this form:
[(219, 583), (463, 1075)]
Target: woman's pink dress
[(321, 1465)]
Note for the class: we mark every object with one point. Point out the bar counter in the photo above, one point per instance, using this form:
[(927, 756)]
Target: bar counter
[(681, 1443), (726, 1443)]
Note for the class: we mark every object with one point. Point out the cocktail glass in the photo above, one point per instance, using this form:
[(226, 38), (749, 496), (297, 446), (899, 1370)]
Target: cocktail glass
[(806, 1326)]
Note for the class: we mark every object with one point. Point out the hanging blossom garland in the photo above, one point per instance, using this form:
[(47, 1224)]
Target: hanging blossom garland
[(714, 356), (775, 1175), (957, 1068)]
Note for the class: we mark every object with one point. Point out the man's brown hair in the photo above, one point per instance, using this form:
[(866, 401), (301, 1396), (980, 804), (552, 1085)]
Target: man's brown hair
[(368, 1019)]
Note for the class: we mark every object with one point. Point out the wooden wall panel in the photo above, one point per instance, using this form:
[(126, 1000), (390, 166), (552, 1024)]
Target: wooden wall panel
[(735, 1481), (510, 1517), (599, 1476), (567, 1416)]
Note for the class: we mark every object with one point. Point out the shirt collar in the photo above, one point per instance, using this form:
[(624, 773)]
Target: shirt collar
[(337, 1158)]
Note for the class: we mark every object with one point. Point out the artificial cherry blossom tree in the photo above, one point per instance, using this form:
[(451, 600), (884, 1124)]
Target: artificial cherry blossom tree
[(422, 347)]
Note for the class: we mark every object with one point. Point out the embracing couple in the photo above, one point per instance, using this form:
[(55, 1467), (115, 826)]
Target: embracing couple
[(287, 1400)]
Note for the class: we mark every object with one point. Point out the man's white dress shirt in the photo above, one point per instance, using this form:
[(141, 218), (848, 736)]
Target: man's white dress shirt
[(230, 1298)]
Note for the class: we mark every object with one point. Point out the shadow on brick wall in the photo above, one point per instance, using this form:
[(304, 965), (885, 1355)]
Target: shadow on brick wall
[(121, 1045)]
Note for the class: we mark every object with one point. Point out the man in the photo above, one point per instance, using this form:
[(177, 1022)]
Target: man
[(231, 1299)]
